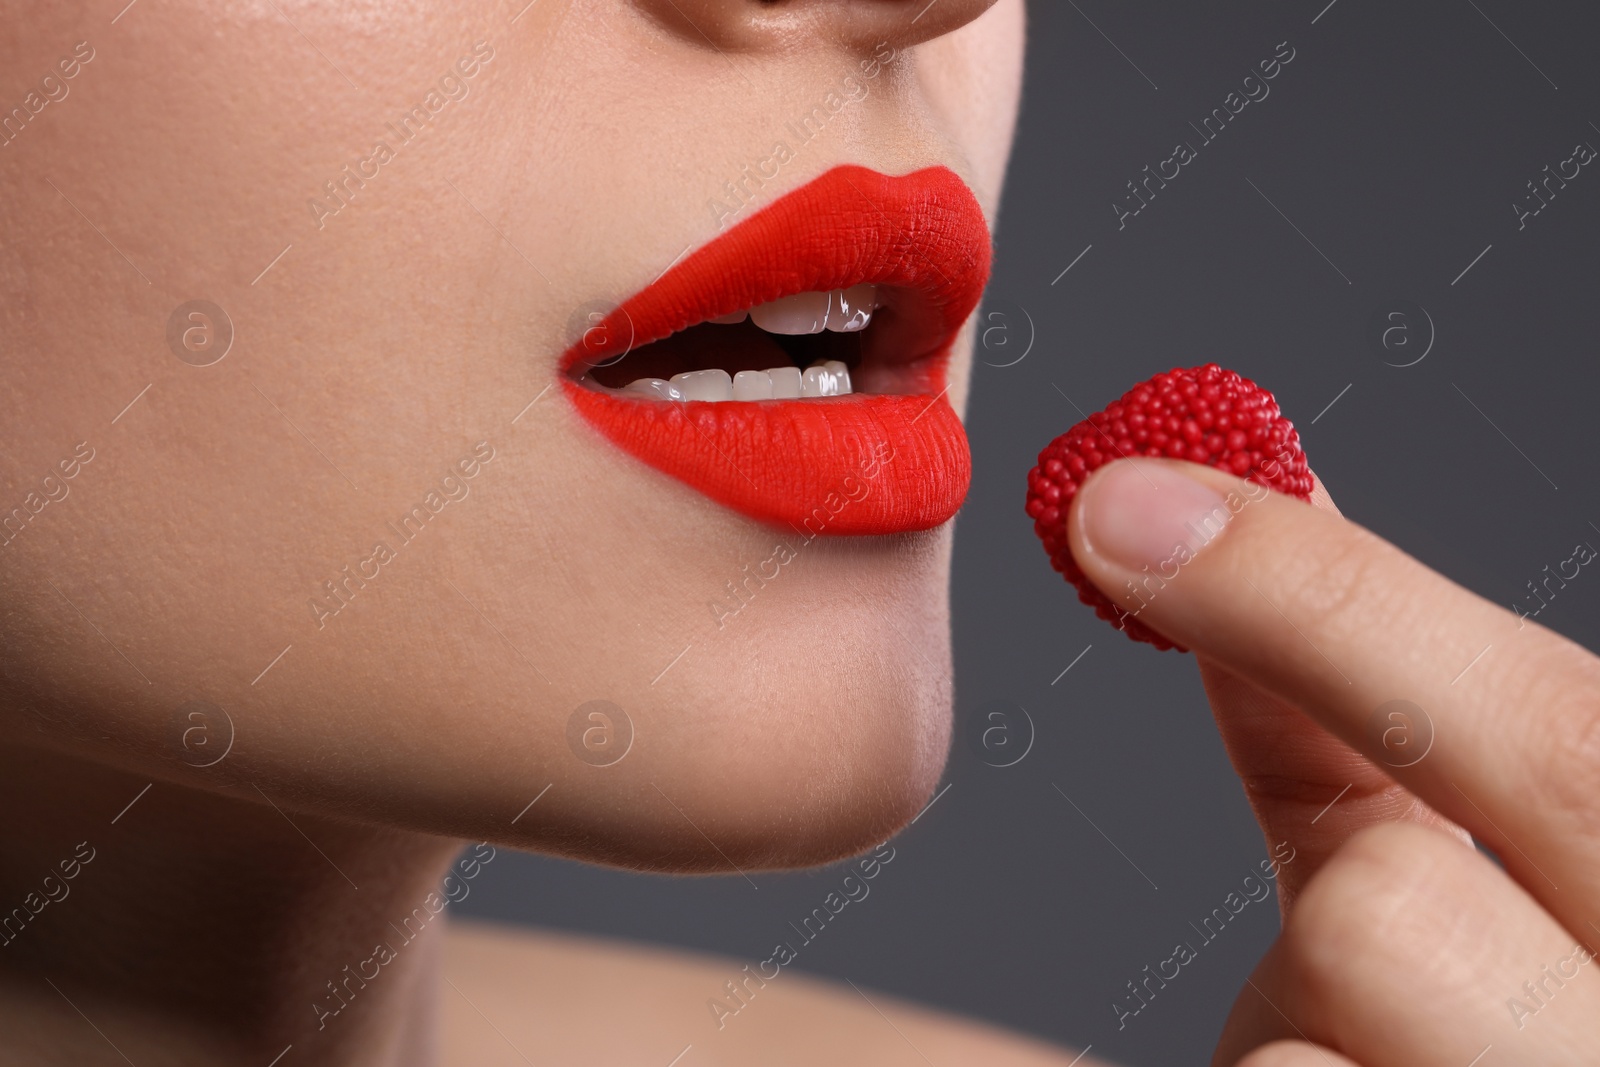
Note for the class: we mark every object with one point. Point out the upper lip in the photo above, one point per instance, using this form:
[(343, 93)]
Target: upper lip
[(918, 244)]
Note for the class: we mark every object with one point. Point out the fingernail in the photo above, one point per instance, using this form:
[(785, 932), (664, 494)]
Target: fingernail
[(1148, 514)]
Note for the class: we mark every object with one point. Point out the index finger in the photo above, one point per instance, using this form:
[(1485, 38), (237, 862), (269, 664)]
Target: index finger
[(1309, 790), (1342, 625)]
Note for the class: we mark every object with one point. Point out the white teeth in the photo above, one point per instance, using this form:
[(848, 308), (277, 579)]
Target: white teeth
[(850, 310), (712, 384), (798, 314), (827, 378), (785, 383), (752, 385), (842, 373), (655, 389), (840, 310)]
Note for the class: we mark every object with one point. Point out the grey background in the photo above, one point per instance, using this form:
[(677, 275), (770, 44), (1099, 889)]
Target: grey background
[(1396, 141)]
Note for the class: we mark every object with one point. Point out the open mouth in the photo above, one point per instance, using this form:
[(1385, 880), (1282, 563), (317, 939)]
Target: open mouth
[(793, 368), (863, 339), (799, 346)]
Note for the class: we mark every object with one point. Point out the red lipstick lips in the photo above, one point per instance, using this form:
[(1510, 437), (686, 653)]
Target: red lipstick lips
[(867, 463)]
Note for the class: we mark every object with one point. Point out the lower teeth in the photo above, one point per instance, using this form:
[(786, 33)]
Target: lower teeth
[(827, 378)]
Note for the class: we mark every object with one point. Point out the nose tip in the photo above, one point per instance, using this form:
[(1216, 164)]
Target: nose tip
[(923, 20), (860, 25)]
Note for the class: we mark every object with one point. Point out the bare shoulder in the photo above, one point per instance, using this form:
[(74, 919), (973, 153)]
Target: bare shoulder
[(517, 996)]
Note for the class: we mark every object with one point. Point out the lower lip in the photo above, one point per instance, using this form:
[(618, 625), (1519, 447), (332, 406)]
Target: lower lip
[(860, 464)]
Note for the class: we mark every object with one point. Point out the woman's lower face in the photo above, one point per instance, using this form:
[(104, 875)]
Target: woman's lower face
[(304, 299)]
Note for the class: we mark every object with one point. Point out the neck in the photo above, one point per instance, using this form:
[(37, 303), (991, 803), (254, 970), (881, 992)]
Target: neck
[(191, 926)]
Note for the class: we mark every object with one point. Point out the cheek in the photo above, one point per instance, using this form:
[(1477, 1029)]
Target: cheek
[(973, 78)]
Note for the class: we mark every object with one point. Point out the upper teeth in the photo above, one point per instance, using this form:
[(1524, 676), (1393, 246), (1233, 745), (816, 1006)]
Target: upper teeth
[(828, 378), (840, 310)]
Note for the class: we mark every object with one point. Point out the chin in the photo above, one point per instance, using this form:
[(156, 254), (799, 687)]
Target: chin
[(782, 807), (830, 738)]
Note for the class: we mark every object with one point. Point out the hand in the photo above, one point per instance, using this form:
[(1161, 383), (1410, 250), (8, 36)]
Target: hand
[(1402, 945)]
